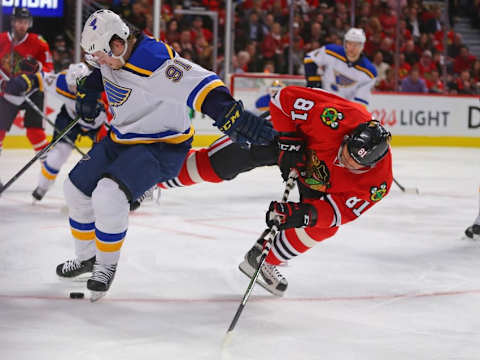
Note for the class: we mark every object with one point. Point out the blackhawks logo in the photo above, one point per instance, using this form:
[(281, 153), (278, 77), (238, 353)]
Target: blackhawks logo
[(317, 176), (331, 116), (378, 192)]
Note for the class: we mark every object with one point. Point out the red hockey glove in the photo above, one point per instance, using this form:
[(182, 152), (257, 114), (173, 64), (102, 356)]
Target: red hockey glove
[(288, 215), (291, 153)]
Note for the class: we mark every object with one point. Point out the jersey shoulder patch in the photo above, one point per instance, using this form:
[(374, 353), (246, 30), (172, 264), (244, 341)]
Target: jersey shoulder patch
[(364, 65), (62, 87), (336, 51), (148, 56)]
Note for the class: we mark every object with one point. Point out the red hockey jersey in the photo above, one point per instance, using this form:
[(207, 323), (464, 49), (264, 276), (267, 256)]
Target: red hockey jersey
[(31, 45), (324, 119)]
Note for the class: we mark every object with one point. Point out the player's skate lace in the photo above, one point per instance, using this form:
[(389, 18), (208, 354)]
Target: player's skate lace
[(271, 272), (103, 273), (74, 268)]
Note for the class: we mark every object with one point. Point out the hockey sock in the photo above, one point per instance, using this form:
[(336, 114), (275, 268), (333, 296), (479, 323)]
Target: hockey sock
[(56, 157), (37, 138), (197, 168), (111, 209)]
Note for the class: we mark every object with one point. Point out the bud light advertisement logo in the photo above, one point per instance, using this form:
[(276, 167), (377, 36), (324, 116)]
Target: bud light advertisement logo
[(38, 8)]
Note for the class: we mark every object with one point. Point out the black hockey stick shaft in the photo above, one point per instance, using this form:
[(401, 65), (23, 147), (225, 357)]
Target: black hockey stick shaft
[(268, 245), (400, 186), (45, 117), (39, 154)]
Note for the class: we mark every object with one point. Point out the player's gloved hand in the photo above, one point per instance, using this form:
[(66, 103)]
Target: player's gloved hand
[(314, 84), (87, 105), (291, 153), (244, 127), (29, 65), (288, 215)]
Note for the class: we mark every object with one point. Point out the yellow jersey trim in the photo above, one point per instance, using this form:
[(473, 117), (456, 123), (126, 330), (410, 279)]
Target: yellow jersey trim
[(365, 70), (138, 69), (307, 60), (334, 54), (173, 140), (66, 94), (204, 92)]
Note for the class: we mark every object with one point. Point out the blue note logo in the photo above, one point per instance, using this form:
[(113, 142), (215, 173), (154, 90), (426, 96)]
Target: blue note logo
[(116, 94), (93, 24)]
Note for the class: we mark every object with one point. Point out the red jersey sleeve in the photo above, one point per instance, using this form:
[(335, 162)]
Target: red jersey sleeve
[(44, 55)]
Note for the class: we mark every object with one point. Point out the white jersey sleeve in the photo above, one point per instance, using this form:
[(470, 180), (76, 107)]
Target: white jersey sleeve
[(353, 81)]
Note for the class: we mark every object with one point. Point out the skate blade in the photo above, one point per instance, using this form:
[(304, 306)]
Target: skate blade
[(247, 269), (96, 295), (468, 238)]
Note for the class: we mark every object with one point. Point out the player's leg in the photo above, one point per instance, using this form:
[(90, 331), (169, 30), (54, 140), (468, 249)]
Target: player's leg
[(473, 231), (120, 184), (287, 245), (78, 189), (222, 160), (57, 156), (9, 111), (34, 123)]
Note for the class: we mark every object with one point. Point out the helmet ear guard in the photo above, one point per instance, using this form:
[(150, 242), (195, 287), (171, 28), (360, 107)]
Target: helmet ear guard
[(368, 143)]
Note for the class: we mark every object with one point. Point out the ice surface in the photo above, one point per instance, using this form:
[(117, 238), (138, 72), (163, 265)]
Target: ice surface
[(398, 283)]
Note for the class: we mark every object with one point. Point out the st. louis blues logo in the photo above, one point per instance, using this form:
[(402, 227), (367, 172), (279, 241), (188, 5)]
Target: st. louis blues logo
[(342, 80), (378, 192), (116, 95), (331, 116), (93, 24)]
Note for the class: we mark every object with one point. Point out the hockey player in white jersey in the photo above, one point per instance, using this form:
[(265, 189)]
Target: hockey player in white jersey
[(64, 86), (473, 231), (149, 89), (343, 70)]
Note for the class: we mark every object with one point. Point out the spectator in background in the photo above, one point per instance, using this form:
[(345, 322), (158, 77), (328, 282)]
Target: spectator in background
[(243, 58), (411, 56), (203, 52), (185, 40), (464, 61), (413, 83), (256, 61), (386, 48), (403, 67), (435, 84), (464, 84), (388, 83), (61, 55), (412, 22), (172, 33), (426, 65), (380, 65), (272, 47), (199, 30)]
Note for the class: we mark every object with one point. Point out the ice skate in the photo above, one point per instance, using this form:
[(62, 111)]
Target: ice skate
[(473, 232), (38, 193), (100, 281), (75, 269), (270, 278)]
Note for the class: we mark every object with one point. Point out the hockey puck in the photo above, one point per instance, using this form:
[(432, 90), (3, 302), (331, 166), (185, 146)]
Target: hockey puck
[(77, 295)]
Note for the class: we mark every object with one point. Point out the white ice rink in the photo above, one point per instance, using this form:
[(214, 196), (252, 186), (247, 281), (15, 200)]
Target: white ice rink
[(399, 283)]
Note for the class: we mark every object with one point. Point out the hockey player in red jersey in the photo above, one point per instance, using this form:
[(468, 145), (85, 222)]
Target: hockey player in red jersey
[(23, 52), (344, 167)]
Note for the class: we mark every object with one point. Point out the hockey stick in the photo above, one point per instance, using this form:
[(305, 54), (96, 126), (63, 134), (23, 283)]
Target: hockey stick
[(406, 190), (45, 117), (268, 244), (39, 154)]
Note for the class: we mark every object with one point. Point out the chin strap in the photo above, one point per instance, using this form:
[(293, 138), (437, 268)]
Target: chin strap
[(120, 57)]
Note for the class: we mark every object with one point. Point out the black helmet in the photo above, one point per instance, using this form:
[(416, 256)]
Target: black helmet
[(21, 13), (368, 143)]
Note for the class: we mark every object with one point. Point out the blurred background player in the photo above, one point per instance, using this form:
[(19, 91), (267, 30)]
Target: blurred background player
[(473, 231), (22, 52), (64, 85), (149, 89), (344, 70), (263, 102), (344, 166)]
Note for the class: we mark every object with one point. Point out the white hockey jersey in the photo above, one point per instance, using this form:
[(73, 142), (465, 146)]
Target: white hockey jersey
[(352, 81), (149, 95), (56, 84)]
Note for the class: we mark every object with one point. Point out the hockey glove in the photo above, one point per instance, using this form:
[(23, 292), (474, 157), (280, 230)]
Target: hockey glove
[(288, 215), (29, 65), (244, 127), (87, 106), (291, 153)]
